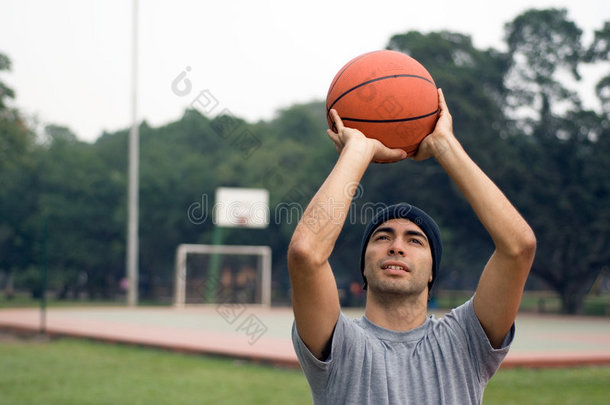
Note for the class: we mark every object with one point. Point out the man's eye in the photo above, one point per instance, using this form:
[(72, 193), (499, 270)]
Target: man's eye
[(416, 241), (382, 237)]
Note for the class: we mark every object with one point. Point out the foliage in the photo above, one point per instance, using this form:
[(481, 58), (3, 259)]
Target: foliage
[(78, 197), (564, 148), (18, 166), (514, 112), (5, 91)]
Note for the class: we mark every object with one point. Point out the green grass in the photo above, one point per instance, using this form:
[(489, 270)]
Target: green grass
[(587, 385), (68, 371)]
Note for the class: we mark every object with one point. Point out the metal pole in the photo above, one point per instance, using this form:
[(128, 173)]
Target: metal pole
[(213, 274), (180, 284), (43, 279), (132, 227), (266, 278)]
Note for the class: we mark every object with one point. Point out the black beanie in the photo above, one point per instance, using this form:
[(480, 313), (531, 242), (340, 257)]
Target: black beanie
[(419, 218)]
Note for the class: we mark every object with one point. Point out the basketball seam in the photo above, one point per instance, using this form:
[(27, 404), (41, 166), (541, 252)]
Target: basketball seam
[(375, 80), (334, 83), (389, 121)]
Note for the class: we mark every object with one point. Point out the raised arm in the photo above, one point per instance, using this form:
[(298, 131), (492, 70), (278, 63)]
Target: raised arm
[(500, 288), (315, 299)]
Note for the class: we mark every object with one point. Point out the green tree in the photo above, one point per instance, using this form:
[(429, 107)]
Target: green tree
[(512, 111), (543, 43), (599, 51), (5, 91), (80, 200), (559, 183), (18, 197)]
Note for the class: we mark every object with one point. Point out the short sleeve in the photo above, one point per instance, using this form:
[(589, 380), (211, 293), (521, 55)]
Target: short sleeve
[(317, 371), (486, 359)]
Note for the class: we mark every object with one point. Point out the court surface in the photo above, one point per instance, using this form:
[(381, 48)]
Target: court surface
[(263, 334)]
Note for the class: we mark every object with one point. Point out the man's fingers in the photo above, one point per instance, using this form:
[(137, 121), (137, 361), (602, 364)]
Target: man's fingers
[(390, 156), (335, 138), (397, 154), (337, 120), (441, 101), (332, 135)]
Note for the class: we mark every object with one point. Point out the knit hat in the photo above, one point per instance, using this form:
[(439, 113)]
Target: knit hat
[(418, 217)]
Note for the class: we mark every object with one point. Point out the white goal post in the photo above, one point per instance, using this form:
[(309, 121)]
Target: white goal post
[(263, 254)]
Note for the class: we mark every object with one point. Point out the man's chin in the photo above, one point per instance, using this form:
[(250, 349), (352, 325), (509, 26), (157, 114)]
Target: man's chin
[(388, 288)]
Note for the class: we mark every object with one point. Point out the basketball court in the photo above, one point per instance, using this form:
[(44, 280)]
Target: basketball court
[(261, 334)]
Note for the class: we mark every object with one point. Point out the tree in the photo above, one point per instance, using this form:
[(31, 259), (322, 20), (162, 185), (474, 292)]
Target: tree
[(541, 44), (558, 164), (600, 51), (18, 198), (5, 91), (513, 112), (79, 198)]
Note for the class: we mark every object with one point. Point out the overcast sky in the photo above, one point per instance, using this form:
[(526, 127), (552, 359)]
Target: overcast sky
[(72, 59)]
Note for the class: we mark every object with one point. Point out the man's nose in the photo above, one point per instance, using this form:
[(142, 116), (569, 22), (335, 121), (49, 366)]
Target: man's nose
[(396, 249)]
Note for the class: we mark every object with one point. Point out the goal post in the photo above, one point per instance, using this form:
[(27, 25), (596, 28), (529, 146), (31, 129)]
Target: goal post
[(245, 276)]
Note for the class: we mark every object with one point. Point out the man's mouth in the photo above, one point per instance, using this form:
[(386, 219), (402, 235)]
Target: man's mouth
[(393, 266)]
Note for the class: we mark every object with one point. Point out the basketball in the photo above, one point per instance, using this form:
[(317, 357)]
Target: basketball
[(387, 95)]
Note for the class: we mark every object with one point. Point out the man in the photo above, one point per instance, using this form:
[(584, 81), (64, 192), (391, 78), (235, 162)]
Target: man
[(396, 354)]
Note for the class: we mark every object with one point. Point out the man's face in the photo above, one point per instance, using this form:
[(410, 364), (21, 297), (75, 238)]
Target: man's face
[(398, 259)]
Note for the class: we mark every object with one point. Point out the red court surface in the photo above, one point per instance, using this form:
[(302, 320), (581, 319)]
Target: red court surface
[(263, 335)]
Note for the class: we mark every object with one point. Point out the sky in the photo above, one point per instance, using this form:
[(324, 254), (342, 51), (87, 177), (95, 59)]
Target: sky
[(71, 59)]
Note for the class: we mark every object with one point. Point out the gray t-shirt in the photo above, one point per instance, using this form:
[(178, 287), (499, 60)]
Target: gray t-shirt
[(444, 361)]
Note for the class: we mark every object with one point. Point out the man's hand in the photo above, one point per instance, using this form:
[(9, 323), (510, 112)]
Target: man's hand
[(441, 138), (373, 149)]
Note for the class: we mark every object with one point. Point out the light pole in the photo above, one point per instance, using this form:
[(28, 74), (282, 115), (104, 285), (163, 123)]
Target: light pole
[(133, 187)]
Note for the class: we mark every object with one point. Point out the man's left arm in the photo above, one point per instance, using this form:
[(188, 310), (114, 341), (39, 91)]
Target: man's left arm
[(501, 285)]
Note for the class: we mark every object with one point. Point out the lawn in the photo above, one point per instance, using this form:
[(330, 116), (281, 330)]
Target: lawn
[(587, 385), (68, 371)]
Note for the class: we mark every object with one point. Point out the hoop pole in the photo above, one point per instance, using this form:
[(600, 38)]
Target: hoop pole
[(213, 268)]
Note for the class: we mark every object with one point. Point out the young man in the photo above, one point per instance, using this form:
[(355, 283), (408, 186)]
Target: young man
[(395, 354)]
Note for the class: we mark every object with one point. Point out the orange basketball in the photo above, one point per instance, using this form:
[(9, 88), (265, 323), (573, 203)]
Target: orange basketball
[(388, 96)]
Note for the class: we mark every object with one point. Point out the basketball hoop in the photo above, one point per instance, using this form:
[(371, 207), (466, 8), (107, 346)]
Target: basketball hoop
[(241, 207)]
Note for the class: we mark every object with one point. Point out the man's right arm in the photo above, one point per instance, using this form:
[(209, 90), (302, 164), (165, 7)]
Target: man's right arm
[(315, 299)]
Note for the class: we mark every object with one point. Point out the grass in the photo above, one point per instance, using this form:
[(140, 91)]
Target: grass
[(587, 385), (68, 371)]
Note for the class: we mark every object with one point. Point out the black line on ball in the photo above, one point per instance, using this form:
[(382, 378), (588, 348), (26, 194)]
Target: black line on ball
[(344, 69), (376, 80), (388, 121)]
